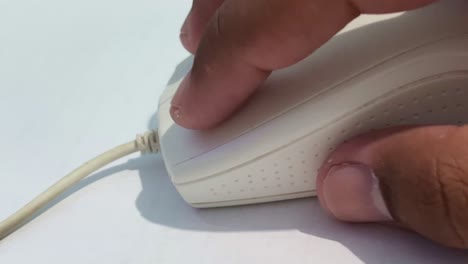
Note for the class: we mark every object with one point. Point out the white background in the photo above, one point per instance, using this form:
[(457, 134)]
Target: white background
[(79, 77)]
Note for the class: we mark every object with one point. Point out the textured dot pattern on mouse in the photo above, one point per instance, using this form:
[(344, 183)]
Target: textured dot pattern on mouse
[(361, 80)]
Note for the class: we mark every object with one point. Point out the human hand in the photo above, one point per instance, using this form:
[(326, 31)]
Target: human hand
[(413, 177)]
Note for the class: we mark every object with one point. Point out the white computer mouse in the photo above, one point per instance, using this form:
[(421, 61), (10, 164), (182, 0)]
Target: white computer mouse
[(380, 71)]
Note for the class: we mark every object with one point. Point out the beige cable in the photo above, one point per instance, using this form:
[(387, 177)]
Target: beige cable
[(147, 143)]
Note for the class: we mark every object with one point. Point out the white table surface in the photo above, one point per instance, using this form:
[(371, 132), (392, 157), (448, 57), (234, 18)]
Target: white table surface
[(79, 77)]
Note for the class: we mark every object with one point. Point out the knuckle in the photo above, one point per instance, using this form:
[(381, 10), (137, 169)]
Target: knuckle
[(428, 192), (451, 174)]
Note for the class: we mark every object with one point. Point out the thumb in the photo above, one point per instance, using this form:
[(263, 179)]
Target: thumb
[(414, 177)]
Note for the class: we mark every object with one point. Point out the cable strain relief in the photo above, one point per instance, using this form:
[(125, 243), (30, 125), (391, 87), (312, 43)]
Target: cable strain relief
[(148, 142)]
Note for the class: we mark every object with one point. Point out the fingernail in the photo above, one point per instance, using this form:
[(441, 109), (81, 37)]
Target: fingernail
[(184, 38), (177, 100), (352, 193), (175, 112)]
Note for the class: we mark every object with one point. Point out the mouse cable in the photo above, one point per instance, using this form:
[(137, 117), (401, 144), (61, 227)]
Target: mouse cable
[(146, 143)]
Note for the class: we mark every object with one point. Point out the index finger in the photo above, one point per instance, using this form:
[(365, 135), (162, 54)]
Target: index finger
[(246, 40)]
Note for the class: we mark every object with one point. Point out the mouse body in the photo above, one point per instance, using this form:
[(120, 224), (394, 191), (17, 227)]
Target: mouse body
[(380, 71)]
